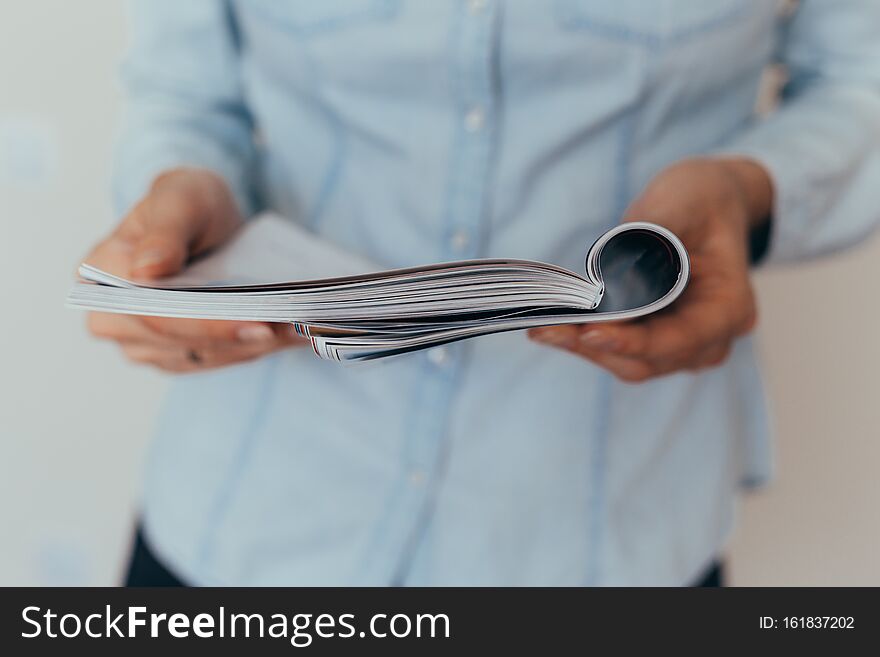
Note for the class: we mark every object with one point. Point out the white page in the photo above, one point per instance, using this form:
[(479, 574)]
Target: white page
[(272, 249)]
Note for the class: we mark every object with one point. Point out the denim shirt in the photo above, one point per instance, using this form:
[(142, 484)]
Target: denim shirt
[(416, 131)]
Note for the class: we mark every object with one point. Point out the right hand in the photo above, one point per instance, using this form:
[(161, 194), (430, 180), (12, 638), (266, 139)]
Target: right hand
[(186, 213)]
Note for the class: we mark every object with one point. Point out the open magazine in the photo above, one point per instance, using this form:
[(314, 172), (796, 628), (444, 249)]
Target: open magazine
[(274, 270)]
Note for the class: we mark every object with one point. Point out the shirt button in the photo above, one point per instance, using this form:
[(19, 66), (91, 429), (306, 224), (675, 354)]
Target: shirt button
[(475, 119), (417, 477), (460, 240), (438, 356), (476, 6)]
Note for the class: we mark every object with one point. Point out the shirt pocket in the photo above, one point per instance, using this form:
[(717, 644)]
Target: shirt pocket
[(315, 17), (650, 23)]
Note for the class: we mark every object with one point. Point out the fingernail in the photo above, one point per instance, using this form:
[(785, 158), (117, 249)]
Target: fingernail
[(256, 334), (150, 258), (598, 339)]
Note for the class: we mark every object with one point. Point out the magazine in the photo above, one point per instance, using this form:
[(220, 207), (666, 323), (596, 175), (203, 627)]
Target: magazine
[(274, 270)]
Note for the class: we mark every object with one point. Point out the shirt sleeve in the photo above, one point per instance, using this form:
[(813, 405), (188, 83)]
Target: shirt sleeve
[(822, 145), (184, 99)]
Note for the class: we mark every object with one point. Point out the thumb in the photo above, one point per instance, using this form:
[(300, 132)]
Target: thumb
[(162, 250), (185, 212)]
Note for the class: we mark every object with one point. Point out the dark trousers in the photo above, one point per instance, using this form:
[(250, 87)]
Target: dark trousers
[(146, 570)]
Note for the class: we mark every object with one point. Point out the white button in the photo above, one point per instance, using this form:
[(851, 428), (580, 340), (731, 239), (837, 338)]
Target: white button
[(438, 356), (476, 6), (474, 119), (417, 477), (460, 240)]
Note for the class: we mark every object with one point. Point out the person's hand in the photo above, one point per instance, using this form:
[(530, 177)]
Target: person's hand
[(186, 212), (711, 205)]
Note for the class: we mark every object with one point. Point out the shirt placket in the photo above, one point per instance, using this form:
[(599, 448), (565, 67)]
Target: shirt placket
[(464, 235)]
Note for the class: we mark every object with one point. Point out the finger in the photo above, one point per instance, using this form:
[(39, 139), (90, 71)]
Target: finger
[(163, 241), (287, 335), (143, 246), (113, 255), (213, 331), (629, 370), (161, 357), (220, 332), (565, 337), (214, 357), (180, 359), (137, 330), (687, 330), (184, 358), (562, 336), (123, 328), (177, 332), (714, 356), (637, 370)]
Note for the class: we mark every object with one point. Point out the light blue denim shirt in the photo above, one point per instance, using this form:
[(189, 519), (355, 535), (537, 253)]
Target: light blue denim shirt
[(416, 131)]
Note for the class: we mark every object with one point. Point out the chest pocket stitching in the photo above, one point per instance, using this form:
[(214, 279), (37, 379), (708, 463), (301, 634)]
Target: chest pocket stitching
[(574, 15)]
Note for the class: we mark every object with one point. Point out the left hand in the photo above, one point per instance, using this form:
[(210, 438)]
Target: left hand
[(186, 212), (711, 205)]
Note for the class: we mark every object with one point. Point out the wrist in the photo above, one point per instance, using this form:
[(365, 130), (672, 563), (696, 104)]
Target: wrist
[(754, 188)]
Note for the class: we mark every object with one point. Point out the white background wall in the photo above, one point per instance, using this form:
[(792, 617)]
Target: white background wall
[(74, 419)]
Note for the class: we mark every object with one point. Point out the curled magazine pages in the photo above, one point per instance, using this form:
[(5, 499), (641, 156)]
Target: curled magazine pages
[(274, 270)]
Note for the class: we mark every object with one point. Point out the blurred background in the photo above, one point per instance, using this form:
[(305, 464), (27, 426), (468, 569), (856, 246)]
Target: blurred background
[(75, 419)]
